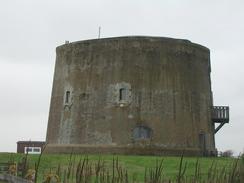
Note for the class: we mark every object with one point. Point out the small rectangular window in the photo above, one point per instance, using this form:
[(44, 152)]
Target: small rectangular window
[(67, 97), (33, 150), (37, 149), (29, 149)]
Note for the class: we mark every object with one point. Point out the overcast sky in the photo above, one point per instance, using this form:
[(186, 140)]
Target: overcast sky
[(30, 30)]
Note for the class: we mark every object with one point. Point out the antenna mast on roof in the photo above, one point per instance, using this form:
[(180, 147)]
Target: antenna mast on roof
[(99, 32)]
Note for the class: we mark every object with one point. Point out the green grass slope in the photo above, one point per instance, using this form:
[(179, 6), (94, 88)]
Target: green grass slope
[(135, 165)]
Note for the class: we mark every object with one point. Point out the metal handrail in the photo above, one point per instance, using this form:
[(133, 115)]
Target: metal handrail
[(220, 114)]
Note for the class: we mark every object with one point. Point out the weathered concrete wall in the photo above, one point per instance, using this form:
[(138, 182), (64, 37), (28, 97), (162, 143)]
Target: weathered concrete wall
[(132, 92)]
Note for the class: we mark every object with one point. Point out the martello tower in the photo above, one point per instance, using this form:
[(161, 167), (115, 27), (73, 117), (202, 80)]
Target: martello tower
[(133, 95)]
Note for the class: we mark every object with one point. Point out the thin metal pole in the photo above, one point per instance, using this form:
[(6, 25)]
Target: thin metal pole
[(99, 32)]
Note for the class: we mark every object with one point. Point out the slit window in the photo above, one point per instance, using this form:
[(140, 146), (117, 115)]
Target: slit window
[(67, 97), (122, 94)]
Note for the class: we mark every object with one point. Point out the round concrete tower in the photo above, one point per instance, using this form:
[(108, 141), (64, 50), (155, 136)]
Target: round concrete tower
[(131, 95)]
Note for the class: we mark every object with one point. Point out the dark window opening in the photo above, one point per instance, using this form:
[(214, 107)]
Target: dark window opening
[(28, 149), (122, 93), (142, 132), (67, 97), (37, 149)]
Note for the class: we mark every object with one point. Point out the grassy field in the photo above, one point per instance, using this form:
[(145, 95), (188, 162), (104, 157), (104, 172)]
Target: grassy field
[(135, 165)]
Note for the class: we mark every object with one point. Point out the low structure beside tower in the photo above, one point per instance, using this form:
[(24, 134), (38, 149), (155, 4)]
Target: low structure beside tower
[(30, 147)]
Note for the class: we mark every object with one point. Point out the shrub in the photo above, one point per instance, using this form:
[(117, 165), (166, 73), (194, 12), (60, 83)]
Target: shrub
[(227, 153)]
